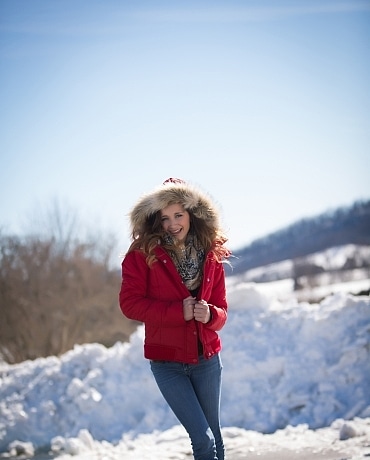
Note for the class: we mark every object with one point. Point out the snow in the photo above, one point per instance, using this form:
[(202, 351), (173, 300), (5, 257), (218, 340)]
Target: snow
[(344, 269), (296, 375)]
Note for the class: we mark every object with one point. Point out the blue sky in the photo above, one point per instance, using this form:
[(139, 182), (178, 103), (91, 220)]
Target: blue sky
[(265, 105)]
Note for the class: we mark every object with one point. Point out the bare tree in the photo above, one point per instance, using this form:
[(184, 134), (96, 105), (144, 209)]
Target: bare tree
[(56, 291)]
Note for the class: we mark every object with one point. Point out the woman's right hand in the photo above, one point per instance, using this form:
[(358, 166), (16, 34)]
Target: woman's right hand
[(188, 308)]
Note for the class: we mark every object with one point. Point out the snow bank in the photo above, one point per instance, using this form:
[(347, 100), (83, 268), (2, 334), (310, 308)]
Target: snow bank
[(285, 364)]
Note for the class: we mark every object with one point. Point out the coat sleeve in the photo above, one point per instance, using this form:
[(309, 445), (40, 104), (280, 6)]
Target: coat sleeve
[(134, 300), (217, 299)]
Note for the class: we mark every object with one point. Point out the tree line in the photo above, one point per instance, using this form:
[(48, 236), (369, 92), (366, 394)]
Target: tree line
[(57, 290), (344, 225)]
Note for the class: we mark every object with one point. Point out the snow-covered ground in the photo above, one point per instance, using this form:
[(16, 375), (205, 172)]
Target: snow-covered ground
[(296, 376), (337, 269)]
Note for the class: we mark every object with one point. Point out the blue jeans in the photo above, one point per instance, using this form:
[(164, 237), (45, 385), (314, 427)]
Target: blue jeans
[(193, 393)]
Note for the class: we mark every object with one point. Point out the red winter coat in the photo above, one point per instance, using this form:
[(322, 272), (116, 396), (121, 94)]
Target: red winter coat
[(154, 296)]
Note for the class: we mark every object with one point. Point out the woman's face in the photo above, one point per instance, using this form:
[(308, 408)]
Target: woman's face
[(175, 221)]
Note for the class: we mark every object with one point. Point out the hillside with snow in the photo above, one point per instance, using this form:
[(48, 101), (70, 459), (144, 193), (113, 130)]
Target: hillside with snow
[(339, 227), (313, 277)]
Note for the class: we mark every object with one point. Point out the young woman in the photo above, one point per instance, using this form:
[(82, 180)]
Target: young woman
[(173, 281)]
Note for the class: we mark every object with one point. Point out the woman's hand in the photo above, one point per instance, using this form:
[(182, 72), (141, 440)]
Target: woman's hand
[(188, 308), (202, 312)]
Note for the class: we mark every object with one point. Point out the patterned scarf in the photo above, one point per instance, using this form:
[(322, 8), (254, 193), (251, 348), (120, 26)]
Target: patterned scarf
[(188, 258)]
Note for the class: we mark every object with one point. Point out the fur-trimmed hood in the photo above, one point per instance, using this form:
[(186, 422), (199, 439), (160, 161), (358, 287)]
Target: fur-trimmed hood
[(174, 191)]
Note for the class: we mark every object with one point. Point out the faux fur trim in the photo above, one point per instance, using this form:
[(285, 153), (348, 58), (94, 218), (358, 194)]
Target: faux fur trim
[(192, 198)]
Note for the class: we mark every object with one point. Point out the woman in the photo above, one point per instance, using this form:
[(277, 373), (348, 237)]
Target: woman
[(173, 281)]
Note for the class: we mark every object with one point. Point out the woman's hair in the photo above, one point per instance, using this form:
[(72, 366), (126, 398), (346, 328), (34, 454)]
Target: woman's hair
[(146, 225), (210, 239)]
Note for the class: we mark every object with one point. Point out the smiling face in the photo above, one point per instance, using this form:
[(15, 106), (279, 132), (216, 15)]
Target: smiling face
[(175, 221)]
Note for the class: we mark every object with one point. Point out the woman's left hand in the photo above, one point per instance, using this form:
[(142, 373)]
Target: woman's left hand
[(202, 312)]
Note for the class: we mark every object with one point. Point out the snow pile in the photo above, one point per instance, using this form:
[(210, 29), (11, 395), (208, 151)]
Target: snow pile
[(292, 363), (285, 365)]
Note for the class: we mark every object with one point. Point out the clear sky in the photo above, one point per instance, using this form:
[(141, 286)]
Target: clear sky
[(264, 104)]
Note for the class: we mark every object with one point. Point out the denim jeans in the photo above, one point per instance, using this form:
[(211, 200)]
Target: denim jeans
[(193, 393)]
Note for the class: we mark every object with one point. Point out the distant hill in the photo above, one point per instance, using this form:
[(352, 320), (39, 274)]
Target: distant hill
[(342, 226)]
